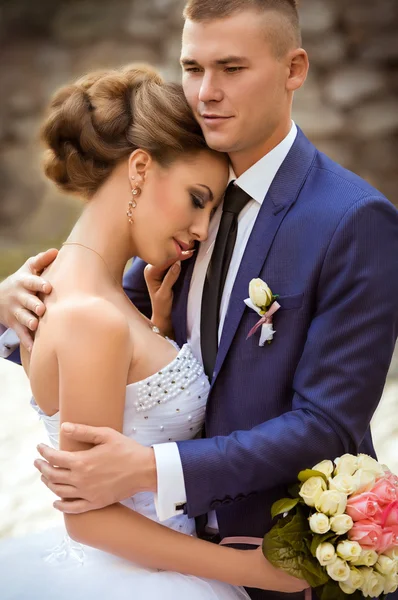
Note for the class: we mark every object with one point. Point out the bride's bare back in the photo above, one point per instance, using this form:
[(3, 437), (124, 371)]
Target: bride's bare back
[(81, 289)]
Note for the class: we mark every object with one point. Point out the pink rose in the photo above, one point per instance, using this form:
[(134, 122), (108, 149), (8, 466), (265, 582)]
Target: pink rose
[(363, 506), (367, 533), (386, 540), (390, 516), (393, 479), (385, 491)]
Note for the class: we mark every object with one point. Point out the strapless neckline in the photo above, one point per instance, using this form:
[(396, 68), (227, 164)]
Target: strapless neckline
[(132, 385)]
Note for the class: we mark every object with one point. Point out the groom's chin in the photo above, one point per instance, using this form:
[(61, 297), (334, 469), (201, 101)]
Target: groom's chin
[(218, 142)]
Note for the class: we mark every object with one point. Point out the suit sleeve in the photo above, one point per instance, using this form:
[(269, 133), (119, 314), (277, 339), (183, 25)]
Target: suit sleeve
[(9, 345), (338, 381)]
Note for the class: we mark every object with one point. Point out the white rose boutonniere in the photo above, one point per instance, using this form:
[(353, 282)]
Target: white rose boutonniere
[(263, 301)]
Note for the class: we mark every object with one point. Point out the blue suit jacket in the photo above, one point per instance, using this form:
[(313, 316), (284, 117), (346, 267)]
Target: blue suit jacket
[(327, 243)]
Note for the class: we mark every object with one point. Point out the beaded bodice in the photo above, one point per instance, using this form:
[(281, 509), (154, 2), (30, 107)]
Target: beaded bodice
[(167, 406)]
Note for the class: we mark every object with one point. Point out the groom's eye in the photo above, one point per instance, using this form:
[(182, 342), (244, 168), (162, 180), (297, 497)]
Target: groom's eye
[(233, 69)]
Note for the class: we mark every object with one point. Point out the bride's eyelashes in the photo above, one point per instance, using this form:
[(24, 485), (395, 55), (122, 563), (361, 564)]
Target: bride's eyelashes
[(197, 201)]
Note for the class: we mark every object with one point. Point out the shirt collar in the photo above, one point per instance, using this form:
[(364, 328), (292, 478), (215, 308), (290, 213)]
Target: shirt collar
[(257, 180)]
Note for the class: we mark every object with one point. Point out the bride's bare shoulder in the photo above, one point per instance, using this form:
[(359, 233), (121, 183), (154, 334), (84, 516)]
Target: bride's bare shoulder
[(87, 315)]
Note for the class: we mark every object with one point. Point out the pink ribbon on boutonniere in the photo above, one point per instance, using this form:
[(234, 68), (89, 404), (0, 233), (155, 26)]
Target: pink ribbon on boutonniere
[(265, 319)]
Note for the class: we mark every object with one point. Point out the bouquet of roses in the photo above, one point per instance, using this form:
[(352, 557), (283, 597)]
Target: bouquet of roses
[(339, 530)]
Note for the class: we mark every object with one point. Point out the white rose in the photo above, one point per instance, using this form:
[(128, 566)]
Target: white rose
[(373, 583), (312, 489), (259, 292), (325, 554), (340, 524), (353, 583), (390, 584), (367, 558), (386, 565), (331, 503), (346, 464), (355, 579), (346, 484), (338, 570), (392, 553), (325, 466), (346, 588), (319, 523), (348, 550), (367, 463), (364, 480)]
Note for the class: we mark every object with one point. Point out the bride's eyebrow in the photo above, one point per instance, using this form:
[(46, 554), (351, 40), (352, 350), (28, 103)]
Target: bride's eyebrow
[(210, 195)]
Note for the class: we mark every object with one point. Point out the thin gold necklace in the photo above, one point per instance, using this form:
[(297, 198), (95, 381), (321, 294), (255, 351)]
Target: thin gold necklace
[(98, 254), (153, 327)]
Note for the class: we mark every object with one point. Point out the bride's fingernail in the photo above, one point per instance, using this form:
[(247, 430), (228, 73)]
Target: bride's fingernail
[(177, 265)]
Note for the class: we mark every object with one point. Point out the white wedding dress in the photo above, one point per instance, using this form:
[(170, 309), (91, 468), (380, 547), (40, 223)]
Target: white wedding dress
[(167, 406)]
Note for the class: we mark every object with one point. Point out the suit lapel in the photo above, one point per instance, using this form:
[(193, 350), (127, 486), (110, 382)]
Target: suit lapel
[(281, 196)]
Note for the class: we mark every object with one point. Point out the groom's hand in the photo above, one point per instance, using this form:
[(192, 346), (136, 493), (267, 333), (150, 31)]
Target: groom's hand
[(19, 305), (116, 468)]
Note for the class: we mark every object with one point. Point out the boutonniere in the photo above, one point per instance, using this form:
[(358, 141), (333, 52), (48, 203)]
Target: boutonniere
[(263, 301)]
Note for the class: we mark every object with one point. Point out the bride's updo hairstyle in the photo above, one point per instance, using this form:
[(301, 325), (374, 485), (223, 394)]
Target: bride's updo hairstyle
[(98, 121)]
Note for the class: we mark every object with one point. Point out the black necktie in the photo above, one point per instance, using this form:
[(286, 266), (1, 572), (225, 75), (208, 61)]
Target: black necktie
[(234, 201)]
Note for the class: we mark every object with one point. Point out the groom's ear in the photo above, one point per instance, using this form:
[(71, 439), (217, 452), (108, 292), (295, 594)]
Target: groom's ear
[(298, 64), (139, 163)]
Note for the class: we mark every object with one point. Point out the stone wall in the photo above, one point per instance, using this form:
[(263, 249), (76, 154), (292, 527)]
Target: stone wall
[(348, 106)]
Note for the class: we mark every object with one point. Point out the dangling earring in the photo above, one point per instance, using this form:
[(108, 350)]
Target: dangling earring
[(136, 191)]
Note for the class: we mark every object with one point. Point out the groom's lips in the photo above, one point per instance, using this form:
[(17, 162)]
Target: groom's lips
[(213, 119)]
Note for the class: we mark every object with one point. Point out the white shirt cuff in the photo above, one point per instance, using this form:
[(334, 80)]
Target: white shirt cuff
[(171, 486), (9, 342)]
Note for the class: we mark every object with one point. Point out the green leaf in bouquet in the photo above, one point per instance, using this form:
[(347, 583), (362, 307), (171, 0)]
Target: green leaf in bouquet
[(307, 473), (294, 490), (286, 546), (319, 539), (283, 505)]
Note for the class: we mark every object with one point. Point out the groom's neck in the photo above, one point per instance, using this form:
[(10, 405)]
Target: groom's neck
[(246, 157)]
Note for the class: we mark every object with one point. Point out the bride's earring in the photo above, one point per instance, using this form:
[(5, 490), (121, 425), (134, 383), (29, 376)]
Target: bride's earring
[(136, 191)]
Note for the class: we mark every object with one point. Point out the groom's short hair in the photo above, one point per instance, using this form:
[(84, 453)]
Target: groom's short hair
[(208, 10)]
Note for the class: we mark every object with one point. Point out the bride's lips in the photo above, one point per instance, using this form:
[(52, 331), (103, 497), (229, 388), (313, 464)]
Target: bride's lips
[(182, 248)]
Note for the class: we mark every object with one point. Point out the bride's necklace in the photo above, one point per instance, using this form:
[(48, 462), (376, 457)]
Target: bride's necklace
[(153, 327)]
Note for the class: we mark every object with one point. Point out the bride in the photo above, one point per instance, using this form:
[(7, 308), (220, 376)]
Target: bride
[(127, 143)]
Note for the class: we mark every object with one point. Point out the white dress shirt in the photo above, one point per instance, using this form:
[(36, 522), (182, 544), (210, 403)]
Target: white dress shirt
[(256, 182)]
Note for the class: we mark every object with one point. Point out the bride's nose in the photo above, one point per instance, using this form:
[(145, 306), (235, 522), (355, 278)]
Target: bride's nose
[(200, 228)]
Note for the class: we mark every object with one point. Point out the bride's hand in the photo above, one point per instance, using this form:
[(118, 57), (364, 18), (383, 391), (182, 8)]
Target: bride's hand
[(160, 281), (268, 577)]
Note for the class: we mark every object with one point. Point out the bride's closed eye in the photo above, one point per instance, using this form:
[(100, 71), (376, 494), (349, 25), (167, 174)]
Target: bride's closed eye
[(197, 201)]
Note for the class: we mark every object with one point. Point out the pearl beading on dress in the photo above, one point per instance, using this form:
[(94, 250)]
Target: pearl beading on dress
[(170, 381)]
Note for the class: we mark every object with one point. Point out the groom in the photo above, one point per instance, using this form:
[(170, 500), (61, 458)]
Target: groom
[(322, 238)]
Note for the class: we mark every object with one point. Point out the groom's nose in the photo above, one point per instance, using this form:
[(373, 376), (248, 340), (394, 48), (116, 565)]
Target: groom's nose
[(209, 91)]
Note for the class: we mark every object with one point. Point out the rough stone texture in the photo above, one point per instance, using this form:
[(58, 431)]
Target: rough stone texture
[(348, 105)]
